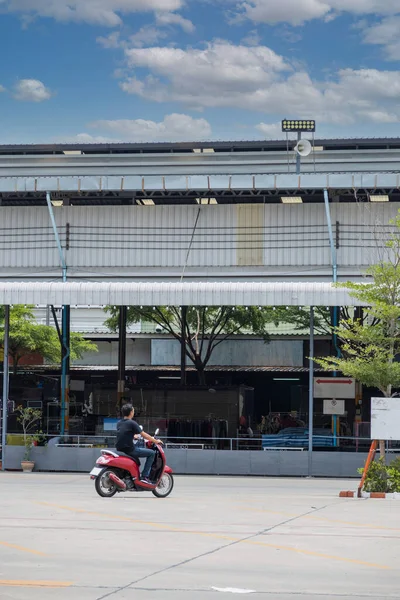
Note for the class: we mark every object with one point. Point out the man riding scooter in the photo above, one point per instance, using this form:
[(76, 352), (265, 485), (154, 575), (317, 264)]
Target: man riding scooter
[(127, 431)]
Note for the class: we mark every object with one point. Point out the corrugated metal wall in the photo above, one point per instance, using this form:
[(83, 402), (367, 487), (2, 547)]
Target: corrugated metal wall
[(251, 238), (363, 229), (27, 239), (152, 236), (137, 353), (246, 353), (296, 235)]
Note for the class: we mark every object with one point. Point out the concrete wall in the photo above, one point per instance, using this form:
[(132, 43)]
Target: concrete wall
[(205, 462)]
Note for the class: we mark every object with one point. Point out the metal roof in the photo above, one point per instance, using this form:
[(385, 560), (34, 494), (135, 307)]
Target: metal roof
[(182, 172), (217, 146), (228, 369), (175, 369), (175, 294)]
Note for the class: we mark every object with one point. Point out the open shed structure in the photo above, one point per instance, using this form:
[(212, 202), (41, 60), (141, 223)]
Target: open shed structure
[(219, 223)]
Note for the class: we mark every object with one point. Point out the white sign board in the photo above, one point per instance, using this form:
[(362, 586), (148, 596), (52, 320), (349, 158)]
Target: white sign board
[(334, 387), (334, 407), (385, 419)]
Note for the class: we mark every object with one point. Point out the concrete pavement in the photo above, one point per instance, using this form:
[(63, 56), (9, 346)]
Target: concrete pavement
[(213, 538)]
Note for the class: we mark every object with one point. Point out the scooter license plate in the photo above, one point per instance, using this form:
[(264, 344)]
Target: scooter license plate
[(96, 471)]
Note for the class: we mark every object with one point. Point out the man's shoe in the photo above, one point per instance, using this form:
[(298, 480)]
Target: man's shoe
[(146, 480)]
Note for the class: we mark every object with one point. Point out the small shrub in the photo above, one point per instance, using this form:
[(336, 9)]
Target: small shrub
[(377, 477), (382, 477), (395, 464), (28, 418)]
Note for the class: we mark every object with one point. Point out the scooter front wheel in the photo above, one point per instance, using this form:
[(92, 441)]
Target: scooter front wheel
[(104, 486), (165, 486)]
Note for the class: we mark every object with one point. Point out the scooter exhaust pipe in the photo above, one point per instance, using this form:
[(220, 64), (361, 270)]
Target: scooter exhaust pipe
[(118, 482)]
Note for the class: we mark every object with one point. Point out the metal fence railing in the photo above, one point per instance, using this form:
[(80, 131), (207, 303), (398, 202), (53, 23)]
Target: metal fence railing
[(262, 443)]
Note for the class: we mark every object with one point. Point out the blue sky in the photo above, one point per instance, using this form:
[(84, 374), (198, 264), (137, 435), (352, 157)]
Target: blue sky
[(170, 70)]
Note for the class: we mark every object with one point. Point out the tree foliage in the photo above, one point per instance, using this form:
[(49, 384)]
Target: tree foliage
[(370, 347), (27, 337), (205, 328), (299, 317)]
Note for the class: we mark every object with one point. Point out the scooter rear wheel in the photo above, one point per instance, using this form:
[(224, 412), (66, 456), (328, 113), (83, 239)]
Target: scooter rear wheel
[(165, 486), (104, 486)]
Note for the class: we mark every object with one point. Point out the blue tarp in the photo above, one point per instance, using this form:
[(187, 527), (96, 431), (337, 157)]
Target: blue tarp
[(297, 437)]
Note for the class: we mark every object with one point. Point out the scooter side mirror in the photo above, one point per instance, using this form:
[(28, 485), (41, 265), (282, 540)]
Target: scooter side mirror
[(157, 432)]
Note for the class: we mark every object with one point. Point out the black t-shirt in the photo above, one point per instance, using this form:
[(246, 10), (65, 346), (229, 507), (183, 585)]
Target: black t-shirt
[(126, 429)]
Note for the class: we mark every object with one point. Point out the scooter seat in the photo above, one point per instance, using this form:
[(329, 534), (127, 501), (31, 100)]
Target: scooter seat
[(136, 460)]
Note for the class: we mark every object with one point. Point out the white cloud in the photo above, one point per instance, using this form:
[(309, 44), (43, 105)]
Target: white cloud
[(271, 131), (287, 34), (385, 33), (174, 127), (2, 89), (224, 75), (252, 38), (113, 40), (199, 77), (146, 36), (31, 90), (81, 138), (95, 12), (297, 12), (169, 18)]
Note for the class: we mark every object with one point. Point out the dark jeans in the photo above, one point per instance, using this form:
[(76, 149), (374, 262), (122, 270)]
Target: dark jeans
[(146, 453)]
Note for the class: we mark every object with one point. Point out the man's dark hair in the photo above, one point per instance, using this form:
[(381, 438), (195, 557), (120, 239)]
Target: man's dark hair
[(126, 410)]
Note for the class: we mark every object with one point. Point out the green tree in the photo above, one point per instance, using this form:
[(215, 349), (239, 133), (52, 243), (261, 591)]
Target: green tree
[(205, 327), (371, 346), (299, 317), (27, 337)]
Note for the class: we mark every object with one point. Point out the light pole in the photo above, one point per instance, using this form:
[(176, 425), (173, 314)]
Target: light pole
[(298, 126), (6, 382)]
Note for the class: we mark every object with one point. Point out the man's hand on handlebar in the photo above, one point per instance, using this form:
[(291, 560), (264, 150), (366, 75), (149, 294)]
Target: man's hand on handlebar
[(149, 438)]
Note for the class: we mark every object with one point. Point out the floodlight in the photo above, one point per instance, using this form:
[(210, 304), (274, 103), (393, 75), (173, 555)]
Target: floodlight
[(291, 199), (376, 198), (298, 125), (145, 202)]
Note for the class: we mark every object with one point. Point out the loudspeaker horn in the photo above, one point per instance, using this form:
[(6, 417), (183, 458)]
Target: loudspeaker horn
[(304, 148)]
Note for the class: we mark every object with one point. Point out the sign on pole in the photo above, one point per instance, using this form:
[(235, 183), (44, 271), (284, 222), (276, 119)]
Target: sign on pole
[(385, 419), (334, 387), (334, 407)]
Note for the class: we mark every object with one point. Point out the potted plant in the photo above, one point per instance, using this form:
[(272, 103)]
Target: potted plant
[(28, 417)]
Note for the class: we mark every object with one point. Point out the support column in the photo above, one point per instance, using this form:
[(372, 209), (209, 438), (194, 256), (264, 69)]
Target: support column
[(311, 394), (121, 355), (298, 157), (65, 350), (6, 382), (65, 369), (335, 312), (183, 345)]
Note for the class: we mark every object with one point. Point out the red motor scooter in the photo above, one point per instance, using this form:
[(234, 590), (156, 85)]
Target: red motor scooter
[(117, 472)]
